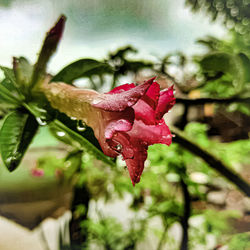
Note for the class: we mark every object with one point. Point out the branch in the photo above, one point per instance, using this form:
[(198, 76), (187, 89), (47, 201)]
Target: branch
[(163, 236), (201, 101), (215, 163), (186, 215)]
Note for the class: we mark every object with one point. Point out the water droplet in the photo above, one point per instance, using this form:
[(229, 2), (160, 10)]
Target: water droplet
[(73, 118), (14, 157), (9, 160), (118, 147), (41, 121), (96, 101), (81, 126), (60, 133)]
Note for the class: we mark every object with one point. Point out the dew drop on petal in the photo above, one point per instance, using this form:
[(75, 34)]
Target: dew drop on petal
[(118, 147), (96, 101)]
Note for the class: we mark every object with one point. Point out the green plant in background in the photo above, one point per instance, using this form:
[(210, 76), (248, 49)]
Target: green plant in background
[(240, 241), (170, 188), (109, 233)]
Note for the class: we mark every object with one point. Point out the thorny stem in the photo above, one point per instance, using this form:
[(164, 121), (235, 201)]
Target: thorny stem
[(213, 161)]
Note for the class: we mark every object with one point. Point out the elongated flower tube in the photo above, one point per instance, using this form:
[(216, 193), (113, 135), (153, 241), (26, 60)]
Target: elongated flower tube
[(125, 120)]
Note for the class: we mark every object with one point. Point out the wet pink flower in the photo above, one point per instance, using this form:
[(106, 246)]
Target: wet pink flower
[(37, 172), (125, 120)]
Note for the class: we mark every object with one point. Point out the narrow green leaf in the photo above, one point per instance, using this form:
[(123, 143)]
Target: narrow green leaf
[(15, 136), (83, 143), (81, 68)]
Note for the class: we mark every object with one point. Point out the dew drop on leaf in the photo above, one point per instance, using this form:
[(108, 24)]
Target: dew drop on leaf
[(41, 121), (60, 133), (81, 126)]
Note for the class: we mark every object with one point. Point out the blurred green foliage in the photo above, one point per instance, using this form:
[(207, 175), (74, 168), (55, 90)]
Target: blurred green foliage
[(176, 183), (235, 13), (109, 233), (240, 242)]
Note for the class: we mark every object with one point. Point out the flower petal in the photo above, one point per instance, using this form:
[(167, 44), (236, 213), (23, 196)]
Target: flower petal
[(145, 107), (136, 164), (151, 134), (144, 112), (121, 100), (152, 95), (121, 143), (118, 121), (165, 103), (124, 87)]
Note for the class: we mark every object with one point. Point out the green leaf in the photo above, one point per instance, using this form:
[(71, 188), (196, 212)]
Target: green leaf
[(9, 74), (240, 241), (23, 72), (226, 63), (246, 66), (81, 68), (7, 93), (83, 143), (73, 161), (15, 136), (8, 87)]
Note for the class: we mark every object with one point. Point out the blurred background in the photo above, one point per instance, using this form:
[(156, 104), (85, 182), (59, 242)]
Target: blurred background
[(97, 27), (63, 198)]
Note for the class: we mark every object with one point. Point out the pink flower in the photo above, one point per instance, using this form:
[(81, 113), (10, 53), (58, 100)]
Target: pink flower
[(125, 120), (37, 172)]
